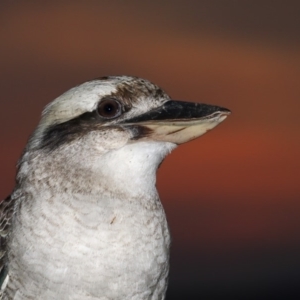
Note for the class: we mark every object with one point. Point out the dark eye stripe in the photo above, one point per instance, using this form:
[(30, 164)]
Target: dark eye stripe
[(59, 134)]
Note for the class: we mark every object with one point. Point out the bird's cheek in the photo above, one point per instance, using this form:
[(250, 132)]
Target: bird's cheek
[(114, 138)]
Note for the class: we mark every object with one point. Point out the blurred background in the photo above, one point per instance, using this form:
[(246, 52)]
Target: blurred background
[(232, 197)]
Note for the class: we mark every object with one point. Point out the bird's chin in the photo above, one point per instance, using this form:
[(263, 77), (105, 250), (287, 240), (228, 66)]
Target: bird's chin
[(180, 131)]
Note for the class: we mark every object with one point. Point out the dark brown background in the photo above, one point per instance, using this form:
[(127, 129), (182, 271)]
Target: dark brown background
[(232, 196)]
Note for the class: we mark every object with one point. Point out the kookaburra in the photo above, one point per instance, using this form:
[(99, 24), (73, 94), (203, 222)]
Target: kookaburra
[(84, 220)]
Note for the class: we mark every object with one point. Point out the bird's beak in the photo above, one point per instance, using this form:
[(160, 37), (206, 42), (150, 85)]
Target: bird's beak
[(177, 121)]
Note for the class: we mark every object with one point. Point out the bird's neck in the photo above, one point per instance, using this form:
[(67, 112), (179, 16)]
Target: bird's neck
[(126, 172), (132, 168)]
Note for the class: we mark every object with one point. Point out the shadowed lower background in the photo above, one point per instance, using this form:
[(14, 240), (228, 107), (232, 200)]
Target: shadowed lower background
[(232, 196)]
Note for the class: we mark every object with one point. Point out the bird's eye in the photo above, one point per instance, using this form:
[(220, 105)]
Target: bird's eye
[(109, 108)]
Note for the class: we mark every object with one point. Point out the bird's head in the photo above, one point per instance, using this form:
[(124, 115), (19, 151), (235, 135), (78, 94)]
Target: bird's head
[(112, 129), (122, 110)]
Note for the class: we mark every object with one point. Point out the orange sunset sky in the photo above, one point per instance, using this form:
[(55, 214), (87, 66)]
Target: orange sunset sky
[(232, 197)]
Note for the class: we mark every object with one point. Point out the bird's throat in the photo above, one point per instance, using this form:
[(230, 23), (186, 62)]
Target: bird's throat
[(133, 167)]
